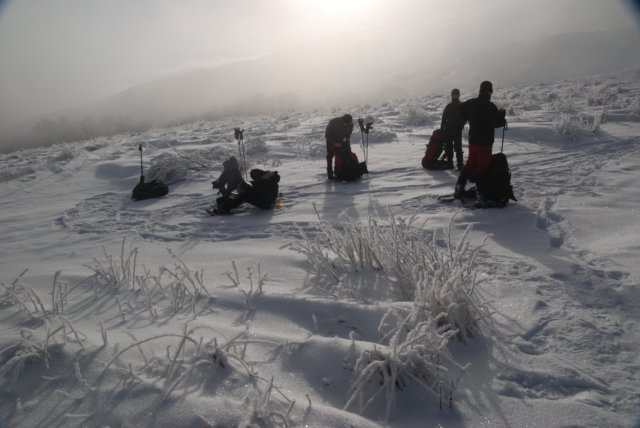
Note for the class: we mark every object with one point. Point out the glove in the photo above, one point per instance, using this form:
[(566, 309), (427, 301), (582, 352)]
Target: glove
[(502, 113)]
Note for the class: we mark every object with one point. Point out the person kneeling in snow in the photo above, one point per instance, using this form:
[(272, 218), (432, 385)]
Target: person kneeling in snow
[(338, 136), (262, 192)]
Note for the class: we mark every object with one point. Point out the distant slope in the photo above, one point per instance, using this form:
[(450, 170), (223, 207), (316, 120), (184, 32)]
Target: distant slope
[(336, 70), (357, 68)]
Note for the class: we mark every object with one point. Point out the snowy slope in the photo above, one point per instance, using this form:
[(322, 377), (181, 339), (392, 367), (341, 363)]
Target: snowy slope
[(152, 313)]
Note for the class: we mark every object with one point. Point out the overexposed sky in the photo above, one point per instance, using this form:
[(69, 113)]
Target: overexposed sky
[(56, 54)]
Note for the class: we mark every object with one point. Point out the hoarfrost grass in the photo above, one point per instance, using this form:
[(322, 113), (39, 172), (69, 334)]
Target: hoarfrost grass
[(435, 278), (174, 289), (567, 127)]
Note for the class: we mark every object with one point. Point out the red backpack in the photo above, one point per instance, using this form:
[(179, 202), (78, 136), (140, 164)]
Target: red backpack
[(347, 166), (433, 152)]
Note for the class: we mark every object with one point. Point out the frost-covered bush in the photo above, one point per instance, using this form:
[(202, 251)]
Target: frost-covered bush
[(20, 294), (415, 353), (595, 99), (28, 350), (255, 146), (307, 146), (563, 103), (566, 126), (512, 110), (168, 167), (380, 136), (598, 119), (178, 286), (417, 116), (65, 153), (438, 279)]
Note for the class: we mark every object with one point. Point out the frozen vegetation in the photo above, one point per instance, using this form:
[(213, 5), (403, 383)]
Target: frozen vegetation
[(359, 304)]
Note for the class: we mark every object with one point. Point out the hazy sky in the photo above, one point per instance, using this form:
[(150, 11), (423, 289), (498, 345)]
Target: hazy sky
[(58, 53)]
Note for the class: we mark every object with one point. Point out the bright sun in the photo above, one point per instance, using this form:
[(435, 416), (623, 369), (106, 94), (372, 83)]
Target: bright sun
[(341, 14), (347, 7)]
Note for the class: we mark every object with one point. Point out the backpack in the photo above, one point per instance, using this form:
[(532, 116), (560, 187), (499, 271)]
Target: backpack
[(433, 152), (348, 168), (498, 180), (265, 188), (152, 189)]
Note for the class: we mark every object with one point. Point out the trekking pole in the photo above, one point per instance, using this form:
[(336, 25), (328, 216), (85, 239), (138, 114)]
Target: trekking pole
[(141, 170), (504, 128), (241, 153), (361, 123), (366, 131)]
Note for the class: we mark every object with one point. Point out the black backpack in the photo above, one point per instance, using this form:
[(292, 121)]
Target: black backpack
[(265, 188), (498, 178), (152, 189)]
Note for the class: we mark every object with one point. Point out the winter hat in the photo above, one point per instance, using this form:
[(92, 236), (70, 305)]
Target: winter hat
[(230, 164), (347, 118), (455, 92), (486, 87)]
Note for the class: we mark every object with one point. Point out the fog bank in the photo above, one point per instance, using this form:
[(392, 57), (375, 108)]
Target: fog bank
[(124, 67)]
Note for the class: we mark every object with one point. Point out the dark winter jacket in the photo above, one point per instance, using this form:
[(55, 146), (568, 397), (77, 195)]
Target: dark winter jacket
[(452, 122), (338, 131), (483, 117), (230, 179)]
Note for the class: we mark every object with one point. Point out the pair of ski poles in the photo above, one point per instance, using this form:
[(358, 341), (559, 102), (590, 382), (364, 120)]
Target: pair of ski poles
[(364, 129), (238, 133)]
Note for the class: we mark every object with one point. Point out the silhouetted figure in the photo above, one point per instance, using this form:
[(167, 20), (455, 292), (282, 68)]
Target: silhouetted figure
[(338, 136), (451, 127), (230, 179), (483, 117)]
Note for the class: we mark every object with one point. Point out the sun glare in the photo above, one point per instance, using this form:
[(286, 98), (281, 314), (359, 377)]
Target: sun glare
[(340, 16), (347, 7)]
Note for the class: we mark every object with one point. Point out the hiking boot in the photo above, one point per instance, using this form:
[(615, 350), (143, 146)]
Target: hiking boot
[(483, 202), (449, 165), (458, 193), (216, 211), (460, 166), (330, 176)]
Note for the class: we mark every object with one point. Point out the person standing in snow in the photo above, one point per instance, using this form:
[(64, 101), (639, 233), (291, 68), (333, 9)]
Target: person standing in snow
[(338, 137), (451, 126), (483, 117)]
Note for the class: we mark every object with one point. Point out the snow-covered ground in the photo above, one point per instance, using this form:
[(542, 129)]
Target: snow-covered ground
[(152, 313)]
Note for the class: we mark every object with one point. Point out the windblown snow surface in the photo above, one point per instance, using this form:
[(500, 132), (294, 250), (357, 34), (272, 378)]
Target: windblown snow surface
[(153, 314)]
